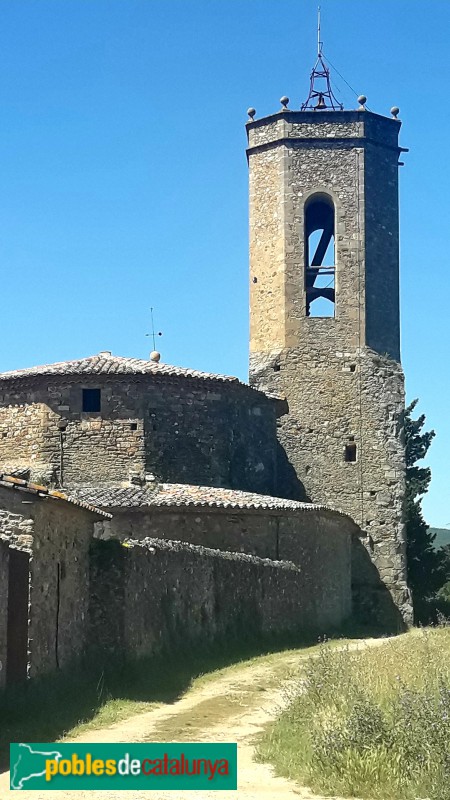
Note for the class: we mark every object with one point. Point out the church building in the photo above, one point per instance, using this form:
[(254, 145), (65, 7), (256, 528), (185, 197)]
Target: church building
[(276, 504)]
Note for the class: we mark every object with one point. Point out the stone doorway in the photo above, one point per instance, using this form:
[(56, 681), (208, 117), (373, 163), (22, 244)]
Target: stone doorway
[(17, 626)]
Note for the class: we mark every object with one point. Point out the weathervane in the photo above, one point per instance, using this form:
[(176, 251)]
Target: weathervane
[(321, 73), (154, 355)]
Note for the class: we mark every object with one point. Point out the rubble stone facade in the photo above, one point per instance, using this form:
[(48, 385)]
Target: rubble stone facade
[(55, 535), (216, 432), (72, 595), (155, 595), (4, 586), (299, 535), (341, 375)]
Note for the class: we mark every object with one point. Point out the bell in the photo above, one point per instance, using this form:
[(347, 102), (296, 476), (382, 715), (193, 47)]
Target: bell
[(320, 103)]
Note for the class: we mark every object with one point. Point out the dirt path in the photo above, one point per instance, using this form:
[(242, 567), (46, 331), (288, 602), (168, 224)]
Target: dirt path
[(233, 707)]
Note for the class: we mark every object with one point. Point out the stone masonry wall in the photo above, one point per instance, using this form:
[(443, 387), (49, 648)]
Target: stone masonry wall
[(157, 595), (341, 376), (59, 593), (57, 535), (180, 430), (4, 581), (16, 519), (352, 157), (315, 434), (267, 250), (16, 531), (318, 540), (382, 251), (254, 533), (22, 433)]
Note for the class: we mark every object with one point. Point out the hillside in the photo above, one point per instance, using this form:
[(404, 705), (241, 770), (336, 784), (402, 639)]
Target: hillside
[(442, 536)]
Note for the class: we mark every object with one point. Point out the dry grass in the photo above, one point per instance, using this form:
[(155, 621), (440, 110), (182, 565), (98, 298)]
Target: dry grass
[(372, 723)]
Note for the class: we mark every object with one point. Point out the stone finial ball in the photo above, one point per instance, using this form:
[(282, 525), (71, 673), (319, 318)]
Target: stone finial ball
[(284, 101), (395, 111), (155, 356), (251, 112), (362, 99)]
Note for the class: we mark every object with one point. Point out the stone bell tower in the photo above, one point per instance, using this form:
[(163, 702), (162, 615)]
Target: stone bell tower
[(325, 323)]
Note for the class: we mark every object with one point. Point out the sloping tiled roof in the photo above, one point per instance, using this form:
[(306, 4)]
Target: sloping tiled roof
[(107, 364), (10, 482), (186, 495), (16, 470)]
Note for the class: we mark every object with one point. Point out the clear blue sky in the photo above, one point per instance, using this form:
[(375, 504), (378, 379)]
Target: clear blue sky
[(124, 178)]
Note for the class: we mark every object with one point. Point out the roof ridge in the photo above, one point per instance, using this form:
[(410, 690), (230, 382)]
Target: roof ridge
[(103, 363)]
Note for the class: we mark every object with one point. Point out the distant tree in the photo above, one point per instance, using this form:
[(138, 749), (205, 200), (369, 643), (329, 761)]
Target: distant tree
[(443, 595), (425, 564)]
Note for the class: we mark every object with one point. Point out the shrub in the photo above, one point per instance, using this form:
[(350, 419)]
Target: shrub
[(372, 722)]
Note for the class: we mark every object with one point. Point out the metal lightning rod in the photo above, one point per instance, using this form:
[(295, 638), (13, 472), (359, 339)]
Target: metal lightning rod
[(153, 328), (319, 43)]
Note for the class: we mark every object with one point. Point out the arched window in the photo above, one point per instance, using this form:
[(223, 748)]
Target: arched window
[(319, 256)]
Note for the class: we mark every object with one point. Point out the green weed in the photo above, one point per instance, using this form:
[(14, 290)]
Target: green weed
[(372, 722)]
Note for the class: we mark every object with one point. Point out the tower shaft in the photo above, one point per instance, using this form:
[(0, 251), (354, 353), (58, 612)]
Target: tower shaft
[(324, 325)]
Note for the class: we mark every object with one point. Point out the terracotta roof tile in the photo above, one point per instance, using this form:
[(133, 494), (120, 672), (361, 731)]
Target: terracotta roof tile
[(186, 495), (107, 364), (11, 482)]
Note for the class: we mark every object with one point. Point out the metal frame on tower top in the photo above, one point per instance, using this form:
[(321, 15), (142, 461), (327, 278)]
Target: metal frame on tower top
[(321, 72)]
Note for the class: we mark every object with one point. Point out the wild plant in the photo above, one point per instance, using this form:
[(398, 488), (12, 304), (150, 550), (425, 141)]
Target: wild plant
[(372, 722)]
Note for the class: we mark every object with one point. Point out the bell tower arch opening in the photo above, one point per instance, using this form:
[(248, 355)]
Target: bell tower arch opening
[(319, 226)]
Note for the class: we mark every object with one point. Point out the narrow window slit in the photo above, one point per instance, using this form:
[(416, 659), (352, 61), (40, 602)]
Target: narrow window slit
[(350, 452)]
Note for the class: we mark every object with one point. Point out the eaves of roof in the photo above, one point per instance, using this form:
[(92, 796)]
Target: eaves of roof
[(11, 482)]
